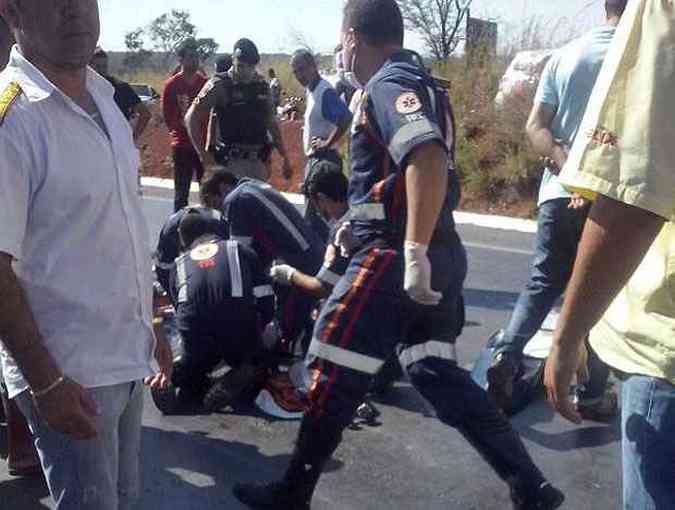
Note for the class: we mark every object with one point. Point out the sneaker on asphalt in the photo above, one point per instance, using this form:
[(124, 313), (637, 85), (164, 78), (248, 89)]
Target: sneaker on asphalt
[(500, 378), (603, 410), (275, 495), (546, 497)]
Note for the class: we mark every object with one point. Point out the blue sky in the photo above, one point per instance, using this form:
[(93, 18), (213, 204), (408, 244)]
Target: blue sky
[(271, 22)]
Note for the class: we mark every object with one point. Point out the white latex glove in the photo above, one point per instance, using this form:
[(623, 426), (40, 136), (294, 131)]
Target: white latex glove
[(417, 278), (344, 239), (282, 274)]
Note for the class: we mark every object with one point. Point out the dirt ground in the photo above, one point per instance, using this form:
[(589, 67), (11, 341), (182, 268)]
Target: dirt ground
[(156, 153)]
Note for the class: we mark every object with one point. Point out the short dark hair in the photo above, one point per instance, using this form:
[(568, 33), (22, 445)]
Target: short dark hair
[(379, 21), (223, 63), (189, 44), (615, 7), (271, 72), (211, 186), (326, 177), (192, 226), (304, 55)]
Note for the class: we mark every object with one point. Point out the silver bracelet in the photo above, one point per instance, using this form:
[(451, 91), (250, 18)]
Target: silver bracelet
[(51, 387)]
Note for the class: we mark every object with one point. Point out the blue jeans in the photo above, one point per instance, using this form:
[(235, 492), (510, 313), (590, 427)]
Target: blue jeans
[(558, 234), (648, 443), (100, 474)]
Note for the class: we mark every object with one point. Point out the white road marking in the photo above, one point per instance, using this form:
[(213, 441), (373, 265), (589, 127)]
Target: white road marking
[(462, 218), (472, 245), (494, 247)]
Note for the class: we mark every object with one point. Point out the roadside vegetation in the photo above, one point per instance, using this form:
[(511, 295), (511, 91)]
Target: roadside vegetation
[(500, 171)]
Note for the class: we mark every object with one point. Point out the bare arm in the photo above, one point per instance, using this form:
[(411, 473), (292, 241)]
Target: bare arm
[(541, 137), (309, 284), (66, 407), (598, 276), (19, 331), (144, 117), (427, 187), (197, 119)]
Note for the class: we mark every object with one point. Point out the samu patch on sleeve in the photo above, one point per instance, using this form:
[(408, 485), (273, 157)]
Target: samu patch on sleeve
[(7, 98), (408, 103)]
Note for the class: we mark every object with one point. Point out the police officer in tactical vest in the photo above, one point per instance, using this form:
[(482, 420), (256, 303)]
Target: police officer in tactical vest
[(242, 101)]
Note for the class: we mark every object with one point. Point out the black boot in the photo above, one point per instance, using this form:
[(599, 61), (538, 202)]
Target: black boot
[(545, 497), (316, 443), (293, 492)]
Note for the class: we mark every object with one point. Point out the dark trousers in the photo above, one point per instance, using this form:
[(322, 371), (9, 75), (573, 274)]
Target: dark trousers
[(559, 231), (364, 321), (558, 234), (186, 163), (209, 339)]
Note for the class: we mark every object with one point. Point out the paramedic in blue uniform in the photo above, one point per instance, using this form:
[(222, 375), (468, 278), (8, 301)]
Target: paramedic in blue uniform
[(405, 280), (326, 190), (168, 244), (223, 302), (260, 217)]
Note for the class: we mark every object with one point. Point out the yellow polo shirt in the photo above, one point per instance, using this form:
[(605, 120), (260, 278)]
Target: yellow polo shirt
[(626, 151)]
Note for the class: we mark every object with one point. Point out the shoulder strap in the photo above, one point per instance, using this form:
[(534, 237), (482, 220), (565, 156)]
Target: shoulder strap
[(7, 98)]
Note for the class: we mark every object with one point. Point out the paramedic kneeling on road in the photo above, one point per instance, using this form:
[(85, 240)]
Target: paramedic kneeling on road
[(223, 302)]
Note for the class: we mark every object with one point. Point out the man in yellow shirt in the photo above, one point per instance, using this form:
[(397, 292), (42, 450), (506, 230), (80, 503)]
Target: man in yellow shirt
[(623, 286)]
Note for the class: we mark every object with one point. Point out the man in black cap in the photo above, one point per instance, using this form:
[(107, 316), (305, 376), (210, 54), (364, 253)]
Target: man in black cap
[(246, 117)]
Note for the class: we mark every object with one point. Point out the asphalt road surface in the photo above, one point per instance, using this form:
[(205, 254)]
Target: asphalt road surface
[(408, 461)]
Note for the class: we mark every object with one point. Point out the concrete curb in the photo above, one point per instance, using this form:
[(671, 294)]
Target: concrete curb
[(462, 218)]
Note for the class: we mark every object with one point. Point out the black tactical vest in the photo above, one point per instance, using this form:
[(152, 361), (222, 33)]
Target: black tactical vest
[(244, 120)]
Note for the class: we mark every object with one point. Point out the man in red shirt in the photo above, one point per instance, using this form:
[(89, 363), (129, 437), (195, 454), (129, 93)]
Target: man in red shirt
[(179, 92)]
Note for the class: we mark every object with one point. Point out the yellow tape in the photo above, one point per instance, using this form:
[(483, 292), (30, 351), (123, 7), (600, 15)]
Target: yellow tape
[(7, 98)]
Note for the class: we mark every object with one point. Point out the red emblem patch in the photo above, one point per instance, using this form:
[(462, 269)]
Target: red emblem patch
[(408, 103)]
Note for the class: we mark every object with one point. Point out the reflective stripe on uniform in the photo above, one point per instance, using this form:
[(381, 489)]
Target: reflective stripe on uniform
[(262, 291), (216, 214), (345, 358), (281, 218), (181, 280), (328, 276), (367, 212), (431, 349), (236, 282), (407, 133)]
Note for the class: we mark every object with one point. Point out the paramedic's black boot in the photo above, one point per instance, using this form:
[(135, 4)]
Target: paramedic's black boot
[(294, 491), (545, 497)]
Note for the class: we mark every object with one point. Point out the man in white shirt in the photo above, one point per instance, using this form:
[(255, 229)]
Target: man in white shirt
[(75, 277), (327, 119)]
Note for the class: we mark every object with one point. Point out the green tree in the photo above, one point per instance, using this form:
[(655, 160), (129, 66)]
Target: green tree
[(163, 35), (137, 56)]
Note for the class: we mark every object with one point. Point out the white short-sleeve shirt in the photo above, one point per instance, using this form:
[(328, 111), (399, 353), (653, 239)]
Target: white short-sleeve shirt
[(72, 219)]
